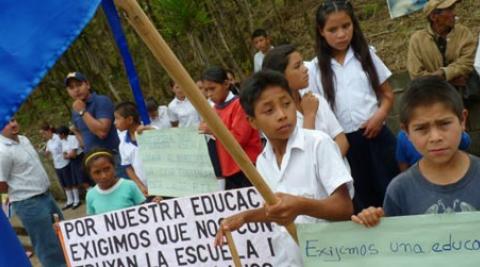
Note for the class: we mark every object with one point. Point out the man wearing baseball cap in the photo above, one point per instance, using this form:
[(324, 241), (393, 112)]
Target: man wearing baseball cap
[(92, 115), (444, 48)]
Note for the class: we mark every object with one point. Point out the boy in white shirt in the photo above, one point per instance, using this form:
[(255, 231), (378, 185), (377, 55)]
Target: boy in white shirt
[(262, 43), (127, 120), (304, 167), (180, 111), (158, 114)]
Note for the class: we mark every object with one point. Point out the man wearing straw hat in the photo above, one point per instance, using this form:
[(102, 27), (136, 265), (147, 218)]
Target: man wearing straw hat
[(444, 48)]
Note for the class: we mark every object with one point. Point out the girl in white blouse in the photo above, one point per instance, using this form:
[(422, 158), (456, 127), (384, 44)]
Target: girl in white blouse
[(353, 80)]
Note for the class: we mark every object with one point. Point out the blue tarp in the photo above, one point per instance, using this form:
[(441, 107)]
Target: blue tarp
[(33, 35)]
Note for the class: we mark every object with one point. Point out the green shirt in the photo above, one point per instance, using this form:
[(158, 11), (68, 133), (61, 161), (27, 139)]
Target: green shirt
[(123, 194)]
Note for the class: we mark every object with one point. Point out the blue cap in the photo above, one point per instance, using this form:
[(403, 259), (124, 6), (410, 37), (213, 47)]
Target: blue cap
[(75, 75)]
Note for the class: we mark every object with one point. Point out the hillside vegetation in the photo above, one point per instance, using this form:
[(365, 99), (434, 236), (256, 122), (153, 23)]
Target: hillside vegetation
[(208, 32)]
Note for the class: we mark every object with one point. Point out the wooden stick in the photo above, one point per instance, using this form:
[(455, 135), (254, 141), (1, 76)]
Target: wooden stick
[(233, 249), (162, 52), (58, 232)]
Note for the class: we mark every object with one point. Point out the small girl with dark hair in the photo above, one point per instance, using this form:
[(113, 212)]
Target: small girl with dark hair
[(60, 163), (111, 193), (71, 179), (227, 106), (353, 80)]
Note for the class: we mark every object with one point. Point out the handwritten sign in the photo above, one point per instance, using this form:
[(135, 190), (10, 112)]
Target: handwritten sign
[(176, 232), (176, 162), (425, 240)]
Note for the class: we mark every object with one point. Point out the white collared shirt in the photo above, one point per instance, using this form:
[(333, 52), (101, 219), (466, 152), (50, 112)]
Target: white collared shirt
[(70, 144), (184, 112), (355, 99), (312, 167), (21, 169), (325, 120), (258, 60), (162, 121), (130, 157), (54, 147)]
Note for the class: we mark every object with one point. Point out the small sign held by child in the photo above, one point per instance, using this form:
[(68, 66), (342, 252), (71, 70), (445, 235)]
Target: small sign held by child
[(176, 162)]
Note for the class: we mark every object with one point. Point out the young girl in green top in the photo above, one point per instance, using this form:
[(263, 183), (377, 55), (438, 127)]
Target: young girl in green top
[(110, 193)]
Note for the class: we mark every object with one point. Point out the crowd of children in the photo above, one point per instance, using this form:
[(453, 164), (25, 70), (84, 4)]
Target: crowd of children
[(328, 155)]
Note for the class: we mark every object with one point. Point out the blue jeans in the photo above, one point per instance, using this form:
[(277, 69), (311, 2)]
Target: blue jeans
[(36, 214)]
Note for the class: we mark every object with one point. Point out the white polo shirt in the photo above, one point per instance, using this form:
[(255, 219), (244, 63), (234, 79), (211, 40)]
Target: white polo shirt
[(162, 121), (71, 143), (325, 120), (184, 112), (312, 167), (54, 147), (129, 156), (22, 169), (355, 99)]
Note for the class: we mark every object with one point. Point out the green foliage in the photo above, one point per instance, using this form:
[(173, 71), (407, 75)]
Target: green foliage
[(179, 17)]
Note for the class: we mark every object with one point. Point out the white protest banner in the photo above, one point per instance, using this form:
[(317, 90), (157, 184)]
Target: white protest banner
[(176, 162), (176, 232)]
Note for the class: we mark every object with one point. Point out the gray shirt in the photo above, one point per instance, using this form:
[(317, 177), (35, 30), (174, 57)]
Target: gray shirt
[(410, 193), (21, 169)]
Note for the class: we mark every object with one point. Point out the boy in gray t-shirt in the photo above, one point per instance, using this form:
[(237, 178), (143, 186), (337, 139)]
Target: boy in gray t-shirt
[(411, 193), (446, 179)]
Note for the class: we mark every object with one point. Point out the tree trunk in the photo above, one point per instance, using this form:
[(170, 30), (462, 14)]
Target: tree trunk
[(220, 33)]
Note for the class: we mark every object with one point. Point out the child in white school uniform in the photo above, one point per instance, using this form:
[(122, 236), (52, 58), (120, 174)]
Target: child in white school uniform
[(303, 166), (313, 111), (180, 111), (70, 182), (158, 114), (353, 80), (127, 120)]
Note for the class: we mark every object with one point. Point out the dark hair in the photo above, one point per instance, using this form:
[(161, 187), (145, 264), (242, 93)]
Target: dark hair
[(152, 104), (358, 44), (47, 127), (258, 33), (277, 58), (63, 130), (254, 86), (126, 109), (215, 74), (171, 82), (95, 154), (229, 71), (427, 91)]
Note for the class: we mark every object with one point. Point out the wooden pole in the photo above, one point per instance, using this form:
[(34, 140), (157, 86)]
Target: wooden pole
[(165, 56), (233, 249)]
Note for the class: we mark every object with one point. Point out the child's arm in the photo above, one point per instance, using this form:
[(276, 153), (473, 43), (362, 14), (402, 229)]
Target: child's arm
[(203, 128), (374, 124), (342, 142), (143, 128), (369, 217), (236, 221), (133, 176), (309, 104), (337, 207)]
